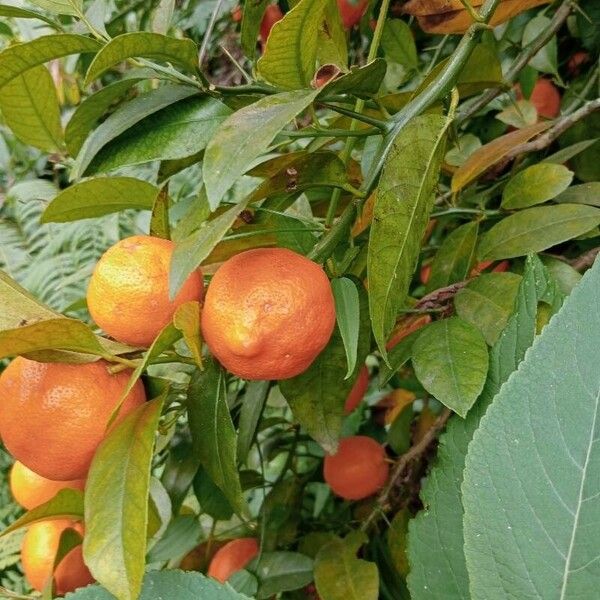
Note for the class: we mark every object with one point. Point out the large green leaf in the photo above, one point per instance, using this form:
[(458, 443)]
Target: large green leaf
[(100, 196), (536, 229), (281, 571), (125, 117), (487, 302), (213, 434), (535, 185), (531, 489), (17, 59), (178, 131), (347, 312), (182, 52), (404, 200), (289, 59), (584, 193), (340, 575), (30, 108), (455, 257), (438, 568), (24, 13), (116, 503), (60, 7), (317, 396), (450, 359), (245, 135), (253, 15), (169, 584)]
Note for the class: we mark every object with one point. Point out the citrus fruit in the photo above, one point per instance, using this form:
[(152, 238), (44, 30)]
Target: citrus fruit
[(268, 313), (30, 489), (272, 15), (128, 294), (232, 557), (38, 552), (352, 11), (577, 62), (545, 97), (53, 415), (358, 469), (358, 391)]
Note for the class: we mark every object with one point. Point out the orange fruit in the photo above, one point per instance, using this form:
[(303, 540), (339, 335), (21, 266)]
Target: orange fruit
[(545, 97), (577, 62), (237, 14), (272, 15), (232, 557), (38, 552), (30, 489), (352, 11), (128, 294), (358, 469), (53, 415), (357, 393), (268, 313)]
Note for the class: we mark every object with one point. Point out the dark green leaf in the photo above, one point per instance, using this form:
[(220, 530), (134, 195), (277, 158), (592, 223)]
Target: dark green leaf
[(253, 15), (180, 467), (280, 514), (398, 356), (347, 312), (360, 81), (159, 220), (252, 407), (181, 536), (211, 499), (535, 185), (399, 433), (281, 572), (450, 359)]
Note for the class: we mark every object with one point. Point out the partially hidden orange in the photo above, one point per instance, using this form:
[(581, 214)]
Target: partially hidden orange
[(38, 553), (232, 557), (53, 416), (128, 294), (30, 489), (545, 97), (268, 313)]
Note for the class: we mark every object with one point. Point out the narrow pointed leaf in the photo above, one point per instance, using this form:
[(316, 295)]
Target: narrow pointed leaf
[(252, 18), (347, 311)]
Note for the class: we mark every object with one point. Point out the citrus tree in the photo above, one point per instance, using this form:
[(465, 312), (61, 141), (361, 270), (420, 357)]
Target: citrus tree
[(291, 296)]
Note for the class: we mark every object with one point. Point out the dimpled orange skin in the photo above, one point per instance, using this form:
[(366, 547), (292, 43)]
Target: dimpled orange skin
[(128, 294), (232, 557), (30, 489), (53, 415), (358, 469), (357, 393), (268, 313), (38, 552)]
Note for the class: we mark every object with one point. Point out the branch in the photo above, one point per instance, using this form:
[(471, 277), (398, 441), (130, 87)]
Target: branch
[(585, 260), (559, 127), (404, 461)]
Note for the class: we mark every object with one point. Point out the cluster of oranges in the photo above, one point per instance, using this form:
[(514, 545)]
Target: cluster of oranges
[(267, 314)]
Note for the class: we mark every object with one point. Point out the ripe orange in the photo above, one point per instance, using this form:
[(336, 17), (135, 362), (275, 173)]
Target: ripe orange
[(358, 469), (357, 393), (232, 557), (128, 295), (38, 552), (268, 313), (545, 97), (53, 415), (352, 11), (30, 489), (272, 15)]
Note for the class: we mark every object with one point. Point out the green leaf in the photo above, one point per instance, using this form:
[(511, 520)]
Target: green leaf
[(17, 59), (126, 117), (116, 502), (363, 82), (67, 503), (213, 434), (535, 185), (530, 488), (347, 311), (332, 47), (89, 112), (191, 251), (30, 108), (340, 575), (251, 20), (181, 536), (437, 560), (398, 356), (169, 584), (546, 60), (252, 407), (211, 499), (182, 52), (100, 196), (179, 470), (60, 7), (281, 572), (450, 359), (584, 193), (536, 229), (487, 302), (245, 135), (23, 13), (290, 56), (454, 259), (398, 44), (179, 131), (317, 396), (280, 514), (159, 219), (404, 200), (187, 320)]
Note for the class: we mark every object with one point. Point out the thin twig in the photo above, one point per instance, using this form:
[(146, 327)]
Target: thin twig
[(208, 32), (403, 462), (586, 260), (440, 296)]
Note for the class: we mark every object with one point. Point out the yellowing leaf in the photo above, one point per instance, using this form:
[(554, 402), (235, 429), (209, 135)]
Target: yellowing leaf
[(187, 320)]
